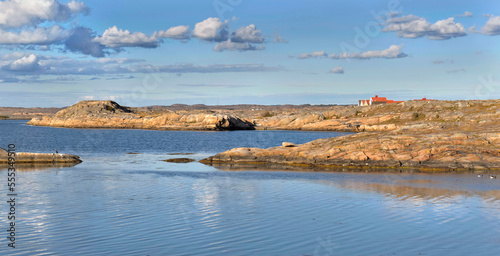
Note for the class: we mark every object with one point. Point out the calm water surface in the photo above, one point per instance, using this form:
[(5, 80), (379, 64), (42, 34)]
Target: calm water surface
[(116, 203)]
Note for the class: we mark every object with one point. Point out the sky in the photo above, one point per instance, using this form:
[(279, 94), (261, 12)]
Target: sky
[(55, 53)]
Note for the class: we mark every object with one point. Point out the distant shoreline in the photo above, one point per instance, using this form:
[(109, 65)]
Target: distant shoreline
[(426, 135)]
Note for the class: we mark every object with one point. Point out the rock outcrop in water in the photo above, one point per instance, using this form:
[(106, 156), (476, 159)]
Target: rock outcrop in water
[(459, 135), (109, 114), (39, 158)]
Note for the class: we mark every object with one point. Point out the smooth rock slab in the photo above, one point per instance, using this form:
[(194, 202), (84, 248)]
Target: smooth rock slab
[(33, 158)]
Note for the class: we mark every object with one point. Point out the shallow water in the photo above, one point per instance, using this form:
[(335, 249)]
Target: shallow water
[(116, 203)]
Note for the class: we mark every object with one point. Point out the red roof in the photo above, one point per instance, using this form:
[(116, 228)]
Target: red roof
[(423, 99), (394, 101), (380, 99)]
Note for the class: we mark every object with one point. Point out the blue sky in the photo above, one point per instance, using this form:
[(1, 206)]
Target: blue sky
[(56, 53)]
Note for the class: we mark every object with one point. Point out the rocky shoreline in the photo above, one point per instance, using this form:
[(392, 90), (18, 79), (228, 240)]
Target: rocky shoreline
[(434, 152), (426, 135)]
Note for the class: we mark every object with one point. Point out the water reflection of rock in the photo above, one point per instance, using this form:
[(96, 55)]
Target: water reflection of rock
[(37, 166), (428, 192), (279, 167), (397, 187)]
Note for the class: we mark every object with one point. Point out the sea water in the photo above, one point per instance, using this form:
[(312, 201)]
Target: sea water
[(124, 200)]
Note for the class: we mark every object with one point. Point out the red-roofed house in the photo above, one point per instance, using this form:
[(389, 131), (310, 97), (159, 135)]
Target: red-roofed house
[(383, 100), (378, 100)]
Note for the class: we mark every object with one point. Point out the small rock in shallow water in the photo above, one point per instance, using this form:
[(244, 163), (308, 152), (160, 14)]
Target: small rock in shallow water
[(179, 160)]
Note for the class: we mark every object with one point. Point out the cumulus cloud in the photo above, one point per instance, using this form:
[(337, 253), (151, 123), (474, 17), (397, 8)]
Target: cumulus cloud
[(393, 52), (492, 26), (179, 32), (114, 37), (248, 34), (337, 70), (211, 29), (25, 33), (412, 26), (234, 46), (465, 14), (38, 36), (82, 41), (26, 63), (315, 54), (20, 13)]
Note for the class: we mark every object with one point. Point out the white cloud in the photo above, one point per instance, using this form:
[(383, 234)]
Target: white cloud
[(211, 29), (118, 60), (234, 46), (337, 70), (179, 32), (492, 26), (446, 29), (393, 52), (247, 34), (19, 13), (465, 14), (114, 37), (37, 36), (26, 63), (315, 54), (412, 26)]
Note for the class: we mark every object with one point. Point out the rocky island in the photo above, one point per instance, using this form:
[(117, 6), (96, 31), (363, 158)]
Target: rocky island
[(427, 135), (109, 114)]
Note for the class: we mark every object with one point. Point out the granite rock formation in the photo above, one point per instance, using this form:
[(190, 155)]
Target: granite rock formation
[(109, 114), (430, 136), (39, 158)]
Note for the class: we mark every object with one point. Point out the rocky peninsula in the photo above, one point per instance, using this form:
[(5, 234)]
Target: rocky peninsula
[(429, 136), (426, 135)]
